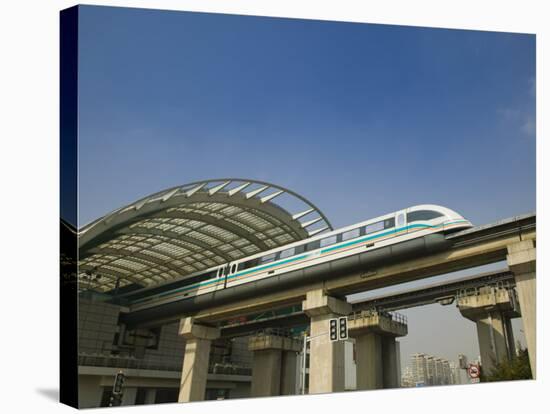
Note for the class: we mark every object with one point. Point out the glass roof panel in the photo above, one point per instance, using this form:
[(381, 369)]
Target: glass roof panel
[(145, 244)]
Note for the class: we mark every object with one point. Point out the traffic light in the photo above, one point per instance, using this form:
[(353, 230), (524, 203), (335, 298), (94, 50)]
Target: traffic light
[(119, 382), (115, 400), (333, 329), (343, 332)]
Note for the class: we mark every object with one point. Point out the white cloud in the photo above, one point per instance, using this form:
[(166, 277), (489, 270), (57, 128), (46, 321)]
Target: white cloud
[(529, 125), (521, 120), (509, 114)]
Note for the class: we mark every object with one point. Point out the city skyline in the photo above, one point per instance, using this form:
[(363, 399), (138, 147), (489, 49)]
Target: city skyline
[(428, 370)]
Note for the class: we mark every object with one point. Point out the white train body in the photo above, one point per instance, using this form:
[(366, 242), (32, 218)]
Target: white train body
[(390, 229)]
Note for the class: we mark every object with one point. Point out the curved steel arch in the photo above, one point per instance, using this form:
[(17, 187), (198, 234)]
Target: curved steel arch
[(192, 214)]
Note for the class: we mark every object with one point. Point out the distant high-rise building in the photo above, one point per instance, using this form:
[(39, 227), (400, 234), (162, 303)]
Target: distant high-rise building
[(438, 372), (447, 378), (398, 357), (455, 373), (518, 347), (419, 369), (430, 370), (407, 379), (462, 361)]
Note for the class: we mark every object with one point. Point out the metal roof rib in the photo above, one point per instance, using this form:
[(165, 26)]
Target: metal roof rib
[(181, 230)]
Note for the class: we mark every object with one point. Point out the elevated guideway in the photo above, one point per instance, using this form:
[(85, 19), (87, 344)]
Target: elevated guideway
[(477, 246), (143, 256), (493, 302), (444, 292)]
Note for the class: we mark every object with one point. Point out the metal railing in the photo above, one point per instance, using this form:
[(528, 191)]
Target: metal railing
[(480, 290), (112, 361), (284, 332), (98, 360), (229, 369), (394, 316)]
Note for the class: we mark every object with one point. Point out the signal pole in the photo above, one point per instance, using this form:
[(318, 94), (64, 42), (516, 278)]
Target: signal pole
[(117, 393)]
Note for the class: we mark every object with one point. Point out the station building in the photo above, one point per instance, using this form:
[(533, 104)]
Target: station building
[(161, 238)]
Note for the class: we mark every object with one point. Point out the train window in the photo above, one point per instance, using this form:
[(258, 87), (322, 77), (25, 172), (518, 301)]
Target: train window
[(389, 223), (400, 220), (288, 252), (233, 268), (374, 227), (327, 241), (248, 264), (422, 215), (351, 234), (313, 245), (268, 258)]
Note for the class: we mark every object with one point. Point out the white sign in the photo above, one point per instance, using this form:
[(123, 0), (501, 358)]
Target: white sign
[(338, 329), (343, 328)]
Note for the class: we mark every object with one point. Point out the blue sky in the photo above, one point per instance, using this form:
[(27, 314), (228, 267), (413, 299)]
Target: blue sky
[(362, 119)]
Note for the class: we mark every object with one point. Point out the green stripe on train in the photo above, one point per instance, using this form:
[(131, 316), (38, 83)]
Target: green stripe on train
[(293, 259)]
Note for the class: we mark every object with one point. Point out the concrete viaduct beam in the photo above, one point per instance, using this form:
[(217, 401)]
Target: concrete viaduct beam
[(456, 259), (522, 261)]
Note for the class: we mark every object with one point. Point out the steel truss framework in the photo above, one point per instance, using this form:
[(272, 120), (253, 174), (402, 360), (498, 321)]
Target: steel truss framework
[(189, 228)]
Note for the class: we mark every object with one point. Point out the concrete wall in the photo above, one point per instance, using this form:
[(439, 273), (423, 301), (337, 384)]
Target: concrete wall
[(97, 333), (171, 347), (97, 326), (241, 390), (89, 391)]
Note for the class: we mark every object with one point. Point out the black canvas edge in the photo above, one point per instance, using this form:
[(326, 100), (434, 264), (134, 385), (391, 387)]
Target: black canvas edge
[(68, 309)]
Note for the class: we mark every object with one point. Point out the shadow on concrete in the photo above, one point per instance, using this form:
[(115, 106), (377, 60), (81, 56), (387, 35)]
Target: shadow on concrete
[(50, 393)]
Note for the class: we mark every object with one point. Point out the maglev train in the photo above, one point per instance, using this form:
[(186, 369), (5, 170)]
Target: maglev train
[(395, 236)]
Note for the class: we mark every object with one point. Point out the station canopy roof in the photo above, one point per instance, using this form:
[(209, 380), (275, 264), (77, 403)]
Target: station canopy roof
[(189, 228)]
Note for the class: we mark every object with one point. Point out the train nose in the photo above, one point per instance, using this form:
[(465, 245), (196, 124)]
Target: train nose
[(456, 225)]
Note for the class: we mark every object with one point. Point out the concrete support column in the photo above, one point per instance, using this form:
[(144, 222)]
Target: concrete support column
[(522, 262), (274, 365), (266, 373), (491, 308), (326, 358), (376, 349), (398, 362), (389, 362), (492, 339), (288, 373), (368, 348), (509, 334), (195, 362)]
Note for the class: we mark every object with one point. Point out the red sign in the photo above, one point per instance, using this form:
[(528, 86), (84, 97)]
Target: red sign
[(473, 371)]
